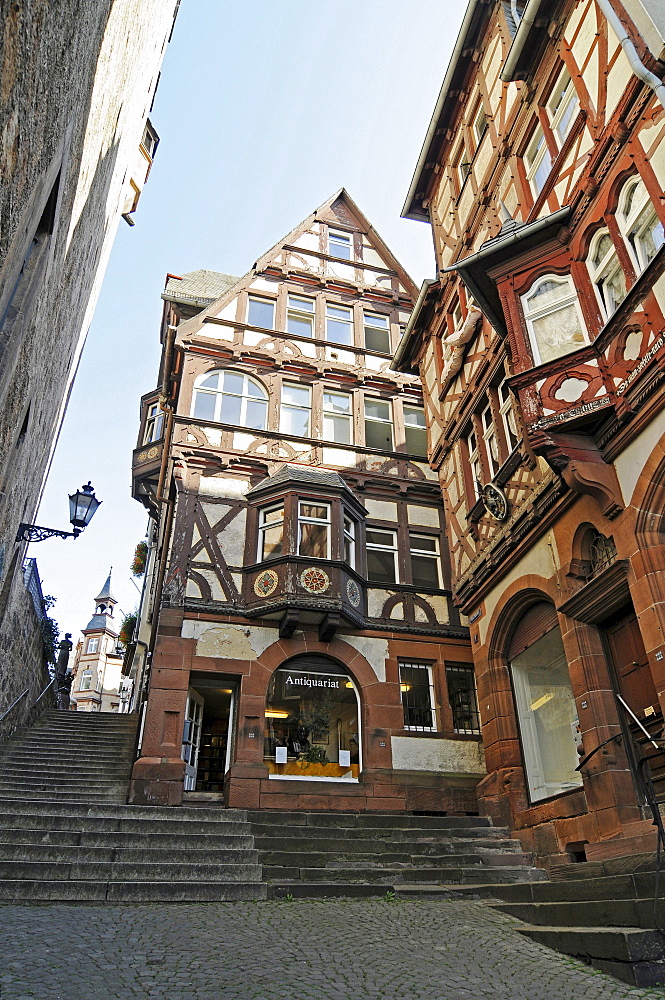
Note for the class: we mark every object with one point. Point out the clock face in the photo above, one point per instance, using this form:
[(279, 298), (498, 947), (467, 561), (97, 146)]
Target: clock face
[(495, 502), (353, 593), (315, 581)]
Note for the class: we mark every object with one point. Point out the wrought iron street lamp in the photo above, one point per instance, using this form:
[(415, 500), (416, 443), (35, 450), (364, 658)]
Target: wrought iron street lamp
[(82, 506)]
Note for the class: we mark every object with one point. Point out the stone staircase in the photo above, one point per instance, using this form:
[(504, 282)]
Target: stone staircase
[(600, 912), (67, 834), (369, 854)]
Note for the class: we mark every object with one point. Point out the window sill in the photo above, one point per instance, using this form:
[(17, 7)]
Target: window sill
[(435, 734)]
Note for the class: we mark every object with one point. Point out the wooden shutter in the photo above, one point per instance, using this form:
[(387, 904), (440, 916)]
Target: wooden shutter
[(533, 625)]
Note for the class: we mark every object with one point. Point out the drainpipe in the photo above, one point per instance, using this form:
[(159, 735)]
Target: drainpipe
[(637, 66)]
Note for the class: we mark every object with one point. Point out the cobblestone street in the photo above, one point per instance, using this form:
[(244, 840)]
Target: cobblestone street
[(301, 950)]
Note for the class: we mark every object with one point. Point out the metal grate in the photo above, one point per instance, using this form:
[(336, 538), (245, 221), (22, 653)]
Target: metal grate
[(416, 689), (462, 697), (602, 553)]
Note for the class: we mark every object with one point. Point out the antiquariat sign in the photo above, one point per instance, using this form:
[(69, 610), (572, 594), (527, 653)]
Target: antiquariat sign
[(646, 360), (312, 682)]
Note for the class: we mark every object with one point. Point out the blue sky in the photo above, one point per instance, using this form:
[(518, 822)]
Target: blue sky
[(264, 109)]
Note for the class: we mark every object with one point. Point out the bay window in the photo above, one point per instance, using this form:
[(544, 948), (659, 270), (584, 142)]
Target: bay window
[(271, 532), (638, 221), (606, 273), (314, 530), (154, 424), (349, 541), (553, 317)]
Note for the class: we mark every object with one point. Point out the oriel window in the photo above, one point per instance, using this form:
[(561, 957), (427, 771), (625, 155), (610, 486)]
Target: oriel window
[(606, 273), (553, 317), (314, 530), (349, 541), (271, 532), (417, 692), (640, 225), (296, 410), (378, 424), (154, 424), (261, 312), (381, 555), (300, 316)]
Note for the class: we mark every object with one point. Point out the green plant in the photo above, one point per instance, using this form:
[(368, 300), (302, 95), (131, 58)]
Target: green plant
[(315, 755), (127, 628), (50, 631), (389, 897), (140, 556), (289, 898)]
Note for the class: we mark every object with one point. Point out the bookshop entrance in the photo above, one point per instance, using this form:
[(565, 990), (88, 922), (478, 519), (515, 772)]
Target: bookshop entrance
[(208, 734)]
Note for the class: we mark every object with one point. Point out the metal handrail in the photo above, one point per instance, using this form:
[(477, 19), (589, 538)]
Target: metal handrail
[(14, 704), (50, 683)]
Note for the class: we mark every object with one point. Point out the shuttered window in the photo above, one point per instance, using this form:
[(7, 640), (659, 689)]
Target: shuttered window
[(533, 625)]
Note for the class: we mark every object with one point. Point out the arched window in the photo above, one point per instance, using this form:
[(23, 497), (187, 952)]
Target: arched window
[(230, 398), (546, 710), (639, 223), (606, 273), (553, 317), (312, 721)]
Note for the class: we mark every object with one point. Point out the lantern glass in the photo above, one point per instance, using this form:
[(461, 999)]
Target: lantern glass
[(82, 506)]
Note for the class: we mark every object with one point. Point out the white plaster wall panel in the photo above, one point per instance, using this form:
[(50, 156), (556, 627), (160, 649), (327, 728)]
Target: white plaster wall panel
[(308, 350), (222, 486), (213, 436), (619, 74), (253, 337), (370, 256), (652, 141), (232, 539), (483, 158), (346, 272), (375, 601), (659, 291), (234, 641), (338, 458), (584, 41), (375, 652), (262, 285), (308, 241), (242, 441), (215, 332), (414, 753), (439, 605), (214, 511), (373, 364), (419, 613), (383, 510), (418, 514), (229, 310), (397, 612), (343, 357)]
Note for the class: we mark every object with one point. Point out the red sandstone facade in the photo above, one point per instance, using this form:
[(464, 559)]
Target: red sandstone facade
[(540, 348)]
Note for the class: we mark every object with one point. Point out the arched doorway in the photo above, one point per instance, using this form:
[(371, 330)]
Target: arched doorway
[(312, 722)]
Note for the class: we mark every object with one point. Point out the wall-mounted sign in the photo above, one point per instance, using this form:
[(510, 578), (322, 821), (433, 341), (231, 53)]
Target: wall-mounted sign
[(644, 362), (312, 681)]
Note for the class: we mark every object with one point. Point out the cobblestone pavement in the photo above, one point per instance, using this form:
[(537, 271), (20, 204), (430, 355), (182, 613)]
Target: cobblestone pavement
[(301, 950)]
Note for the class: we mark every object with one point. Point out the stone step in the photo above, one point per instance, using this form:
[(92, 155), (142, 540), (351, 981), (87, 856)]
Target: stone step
[(26, 891), (637, 886), (392, 821), (136, 840), (54, 807), (594, 913), (120, 872), (630, 954), (384, 873), (402, 859), (327, 890), (356, 845), (77, 854), (128, 825), (75, 771)]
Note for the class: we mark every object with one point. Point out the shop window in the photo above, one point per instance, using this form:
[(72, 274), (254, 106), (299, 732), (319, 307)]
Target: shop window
[(349, 541), (314, 530), (537, 161), (491, 440), (638, 221), (340, 245), (562, 107), (271, 532), (546, 710), (154, 423), (553, 318), (461, 684), (86, 681), (417, 691), (377, 333), (261, 312), (295, 417), (508, 419), (93, 645), (415, 430), (606, 273), (230, 398), (378, 424), (338, 417), (312, 728), (339, 324), (381, 548), (425, 561), (300, 316)]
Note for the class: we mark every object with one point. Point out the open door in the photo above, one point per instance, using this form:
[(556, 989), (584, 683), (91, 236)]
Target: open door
[(191, 737)]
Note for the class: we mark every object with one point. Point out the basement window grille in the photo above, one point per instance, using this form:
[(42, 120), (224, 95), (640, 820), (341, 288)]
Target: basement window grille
[(417, 691), (462, 697)]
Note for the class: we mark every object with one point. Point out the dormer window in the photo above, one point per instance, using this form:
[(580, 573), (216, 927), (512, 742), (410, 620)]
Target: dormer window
[(340, 245), (639, 223), (230, 398), (606, 273), (314, 530), (553, 318)]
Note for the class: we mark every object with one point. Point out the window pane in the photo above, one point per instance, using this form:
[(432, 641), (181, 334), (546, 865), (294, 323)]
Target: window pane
[(314, 510), (339, 402), (558, 333), (462, 697), (339, 328), (424, 571), (211, 381), (204, 405), (339, 245), (377, 409), (378, 436), (254, 389), (233, 383), (337, 428), (301, 326), (230, 410), (276, 514), (380, 566), (261, 313), (256, 414), (294, 421), (415, 430), (296, 394), (273, 541), (547, 715), (313, 540), (416, 694)]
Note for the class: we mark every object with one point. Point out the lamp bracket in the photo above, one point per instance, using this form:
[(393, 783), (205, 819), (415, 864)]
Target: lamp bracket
[(33, 533)]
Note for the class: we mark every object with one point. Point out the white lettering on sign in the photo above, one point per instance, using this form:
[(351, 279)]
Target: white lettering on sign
[(649, 356), (313, 682)]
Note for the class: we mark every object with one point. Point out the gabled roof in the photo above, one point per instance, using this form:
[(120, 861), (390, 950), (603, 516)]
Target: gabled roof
[(300, 475), (198, 288)]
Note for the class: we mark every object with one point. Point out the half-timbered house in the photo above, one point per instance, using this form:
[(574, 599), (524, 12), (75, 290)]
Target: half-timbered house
[(540, 348), (304, 651)]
